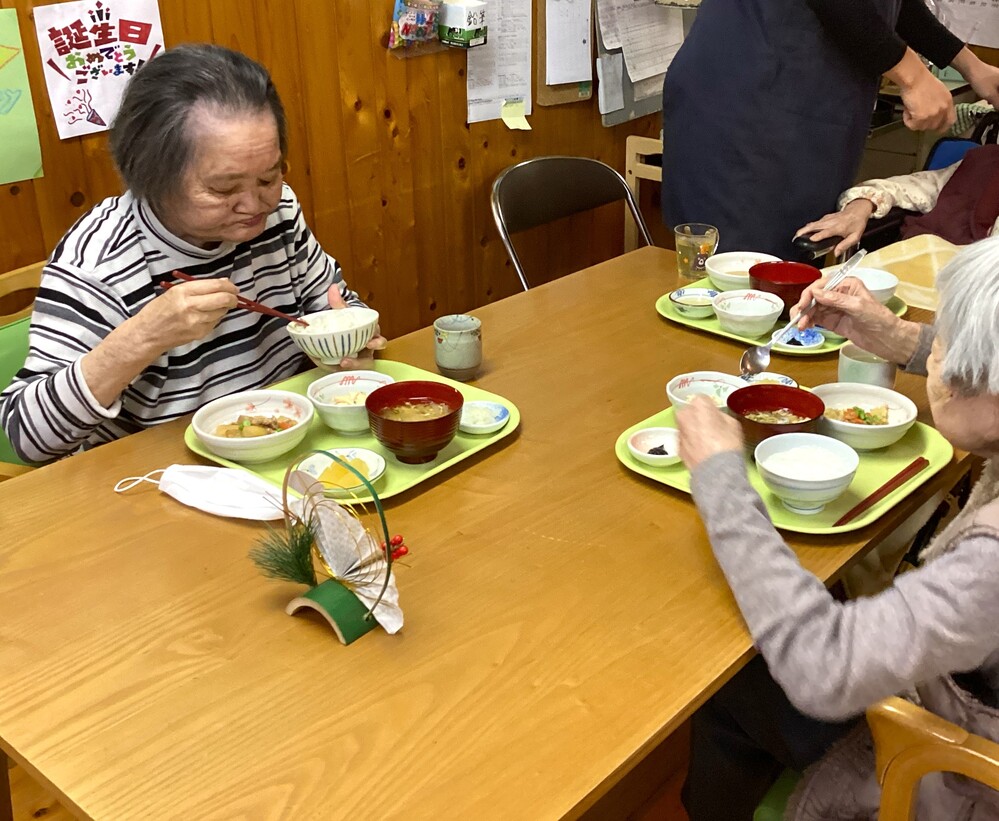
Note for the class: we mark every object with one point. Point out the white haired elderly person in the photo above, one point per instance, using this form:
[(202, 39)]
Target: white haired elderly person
[(200, 141), (822, 662)]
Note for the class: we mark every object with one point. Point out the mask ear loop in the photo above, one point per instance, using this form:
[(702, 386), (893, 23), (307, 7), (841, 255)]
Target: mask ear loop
[(131, 481)]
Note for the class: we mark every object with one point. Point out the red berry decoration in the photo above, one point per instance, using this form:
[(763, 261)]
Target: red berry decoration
[(396, 540), (399, 552)]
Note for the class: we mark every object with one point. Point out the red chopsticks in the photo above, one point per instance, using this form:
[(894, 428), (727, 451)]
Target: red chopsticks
[(896, 481), (248, 304)]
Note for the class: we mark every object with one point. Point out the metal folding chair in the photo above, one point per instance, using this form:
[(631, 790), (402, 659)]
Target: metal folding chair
[(545, 189)]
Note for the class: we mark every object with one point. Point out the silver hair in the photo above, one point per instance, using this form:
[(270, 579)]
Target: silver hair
[(151, 141), (968, 319)]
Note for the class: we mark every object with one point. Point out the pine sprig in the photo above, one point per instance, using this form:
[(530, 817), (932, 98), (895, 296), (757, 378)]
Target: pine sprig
[(287, 554)]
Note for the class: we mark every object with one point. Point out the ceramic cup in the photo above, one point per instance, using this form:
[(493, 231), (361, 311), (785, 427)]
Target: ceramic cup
[(458, 346), (857, 365)]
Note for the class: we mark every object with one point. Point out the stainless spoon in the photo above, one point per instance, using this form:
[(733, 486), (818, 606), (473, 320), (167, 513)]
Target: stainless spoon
[(757, 358)]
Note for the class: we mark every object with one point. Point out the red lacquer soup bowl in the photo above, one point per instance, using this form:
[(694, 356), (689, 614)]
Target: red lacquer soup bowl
[(414, 420)]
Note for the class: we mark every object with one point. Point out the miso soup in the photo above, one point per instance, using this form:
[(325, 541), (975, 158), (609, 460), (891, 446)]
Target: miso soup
[(410, 411)]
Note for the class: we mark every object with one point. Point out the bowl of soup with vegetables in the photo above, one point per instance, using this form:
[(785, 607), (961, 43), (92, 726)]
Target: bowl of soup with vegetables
[(767, 410), (414, 420)]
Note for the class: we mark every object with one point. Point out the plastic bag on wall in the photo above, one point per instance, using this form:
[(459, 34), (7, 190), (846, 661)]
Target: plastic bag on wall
[(414, 25)]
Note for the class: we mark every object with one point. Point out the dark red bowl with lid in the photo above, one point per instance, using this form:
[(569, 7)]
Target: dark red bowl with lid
[(785, 279), (767, 397), (414, 441)]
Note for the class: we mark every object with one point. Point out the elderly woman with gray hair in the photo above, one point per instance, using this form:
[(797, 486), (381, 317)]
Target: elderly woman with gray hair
[(822, 661), (200, 142)]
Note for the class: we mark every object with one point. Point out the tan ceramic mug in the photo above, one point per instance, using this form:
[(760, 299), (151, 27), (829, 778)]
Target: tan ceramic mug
[(458, 346), (858, 365)]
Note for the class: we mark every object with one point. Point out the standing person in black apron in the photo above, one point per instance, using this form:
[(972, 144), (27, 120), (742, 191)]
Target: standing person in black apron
[(768, 103)]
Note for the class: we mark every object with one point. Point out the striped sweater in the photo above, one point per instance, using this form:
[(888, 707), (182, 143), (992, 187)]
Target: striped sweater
[(105, 270)]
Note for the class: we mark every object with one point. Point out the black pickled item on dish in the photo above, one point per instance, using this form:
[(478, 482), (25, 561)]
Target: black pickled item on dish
[(658, 450)]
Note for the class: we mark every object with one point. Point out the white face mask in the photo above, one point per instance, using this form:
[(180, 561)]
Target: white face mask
[(219, 491)]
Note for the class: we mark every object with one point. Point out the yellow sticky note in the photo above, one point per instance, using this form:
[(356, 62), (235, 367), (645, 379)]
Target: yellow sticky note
[(513, 115)]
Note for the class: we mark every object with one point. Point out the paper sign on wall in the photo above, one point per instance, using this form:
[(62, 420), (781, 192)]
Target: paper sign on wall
[(89, 50), (21, 157)]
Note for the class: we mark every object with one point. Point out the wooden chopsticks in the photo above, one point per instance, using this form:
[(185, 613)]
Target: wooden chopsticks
[(896, 481), (242, 302)]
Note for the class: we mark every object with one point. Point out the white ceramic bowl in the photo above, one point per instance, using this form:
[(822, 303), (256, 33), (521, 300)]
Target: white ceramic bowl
[(374, 469), (807, 484), (642, 441), (694, 303), (747, 312), (350, 418), (332, 335), (901, 414), (482, 417), (713, 384), (253, 403), (768, 378), (729, 271), (881, 284)]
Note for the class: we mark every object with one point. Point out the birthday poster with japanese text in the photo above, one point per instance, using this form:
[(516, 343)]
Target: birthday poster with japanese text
[(89, 50)]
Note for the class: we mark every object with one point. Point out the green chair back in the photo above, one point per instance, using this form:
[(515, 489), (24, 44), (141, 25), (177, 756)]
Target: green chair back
[(771, 808), (13, 352)]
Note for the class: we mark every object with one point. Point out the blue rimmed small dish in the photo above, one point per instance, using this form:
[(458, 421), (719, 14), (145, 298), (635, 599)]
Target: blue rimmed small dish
[(694, 303), (481, 418), (768, 378), (800, 340)]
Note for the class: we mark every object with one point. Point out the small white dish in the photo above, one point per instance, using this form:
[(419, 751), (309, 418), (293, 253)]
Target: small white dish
[(694, 303), (713, 384), (481, 417), (315, 464), (645, 444), (264, 402), (800, 340), (841, 395), (346, 417), (805, 484), (768, 378), (881, 284)]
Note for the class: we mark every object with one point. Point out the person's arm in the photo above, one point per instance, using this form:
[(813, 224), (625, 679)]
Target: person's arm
[(918, 191), (920, 29), (833, 659), (85, 349)]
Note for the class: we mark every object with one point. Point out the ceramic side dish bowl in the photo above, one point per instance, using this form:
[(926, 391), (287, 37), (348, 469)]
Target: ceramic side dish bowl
[(869, 399), (781, 405), (332, 335), (262, 404), (713, 384), (339, 398), (481, 417), (656, 447), (729, 271), (694, 303), (338, 480), (768, 378), (785, 279), (799, 340), (747, 313), (806, 471), (414, 419), (881, 284)]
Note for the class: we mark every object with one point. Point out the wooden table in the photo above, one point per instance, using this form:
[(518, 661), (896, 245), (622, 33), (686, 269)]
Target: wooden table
[(563, 615)]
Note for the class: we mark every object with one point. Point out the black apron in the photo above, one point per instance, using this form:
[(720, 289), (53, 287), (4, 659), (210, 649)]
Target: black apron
[(764, 122)]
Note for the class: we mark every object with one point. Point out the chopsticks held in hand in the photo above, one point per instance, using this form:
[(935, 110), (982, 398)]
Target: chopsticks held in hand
[(896, 481), (242, 302)]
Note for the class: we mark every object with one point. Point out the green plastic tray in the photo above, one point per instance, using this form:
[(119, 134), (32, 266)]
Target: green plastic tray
[(712, 326), (876, 468), (398, 477)]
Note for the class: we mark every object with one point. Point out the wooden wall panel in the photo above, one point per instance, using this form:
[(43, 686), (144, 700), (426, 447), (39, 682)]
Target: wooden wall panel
[(392, 180)]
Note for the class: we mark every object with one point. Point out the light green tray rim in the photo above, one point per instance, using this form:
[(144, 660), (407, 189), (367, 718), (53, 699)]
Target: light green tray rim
[(711, 325), (876, 468), (398, 477)]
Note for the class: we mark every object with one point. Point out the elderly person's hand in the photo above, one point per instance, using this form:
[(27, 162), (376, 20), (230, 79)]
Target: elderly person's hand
[(185, 313), (848, 224), (705, 431), (849, 310)]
